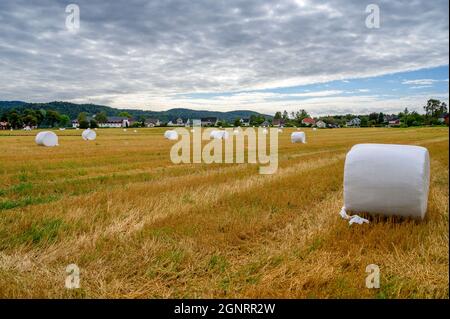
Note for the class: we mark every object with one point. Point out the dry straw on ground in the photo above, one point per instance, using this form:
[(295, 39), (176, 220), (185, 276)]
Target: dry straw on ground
[(139, 226)]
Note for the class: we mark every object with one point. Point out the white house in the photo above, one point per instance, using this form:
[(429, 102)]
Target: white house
[(244, 122), (321, 124), (152, 122), (177, 122), (265, 124), (115, 121), (209, 121), (354, 122)]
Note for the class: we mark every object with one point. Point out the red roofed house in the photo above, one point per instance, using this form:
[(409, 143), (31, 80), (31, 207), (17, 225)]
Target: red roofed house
[(308, 121), (4, 125)]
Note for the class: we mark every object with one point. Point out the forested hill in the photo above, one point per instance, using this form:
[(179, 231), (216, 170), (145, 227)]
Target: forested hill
[(72, 110)]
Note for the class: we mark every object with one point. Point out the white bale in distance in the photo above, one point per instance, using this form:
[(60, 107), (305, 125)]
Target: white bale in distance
[(62, 129), (219, 134), (124, 129), (171, 135), (135, 131), (89, 135), (265, 131), (314, 128), (387, 179), (280, 130), (236, 132), (298, 137), (46, 138)]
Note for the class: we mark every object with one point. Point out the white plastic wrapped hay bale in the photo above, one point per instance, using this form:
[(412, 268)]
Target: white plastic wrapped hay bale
[(219, 134), (46, 138), (298, 137), (171, 135), (265, 131), (89, 135), (387, 179)]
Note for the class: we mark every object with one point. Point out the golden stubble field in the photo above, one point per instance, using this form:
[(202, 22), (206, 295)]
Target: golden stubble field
[(139, 226)]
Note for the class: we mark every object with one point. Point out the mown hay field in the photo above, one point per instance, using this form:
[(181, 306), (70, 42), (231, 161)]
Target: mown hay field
[(139, 226)]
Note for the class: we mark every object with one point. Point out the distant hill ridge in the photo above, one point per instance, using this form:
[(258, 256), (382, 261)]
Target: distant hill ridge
[(73, 109)]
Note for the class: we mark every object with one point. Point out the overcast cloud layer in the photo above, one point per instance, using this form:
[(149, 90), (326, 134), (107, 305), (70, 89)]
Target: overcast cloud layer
[(156, 54)]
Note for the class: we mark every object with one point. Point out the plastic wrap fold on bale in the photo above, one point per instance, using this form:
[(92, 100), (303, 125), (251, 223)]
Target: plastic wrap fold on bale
[(219, 134), (171, 135), (298, 137), (387, 179), (46, 138), (89, 135)]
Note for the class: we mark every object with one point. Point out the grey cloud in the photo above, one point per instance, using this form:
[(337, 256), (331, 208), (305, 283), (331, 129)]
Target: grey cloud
[(165, 47)]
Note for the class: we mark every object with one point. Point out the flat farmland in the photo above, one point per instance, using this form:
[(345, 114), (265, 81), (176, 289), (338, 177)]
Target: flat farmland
[(139, 226)]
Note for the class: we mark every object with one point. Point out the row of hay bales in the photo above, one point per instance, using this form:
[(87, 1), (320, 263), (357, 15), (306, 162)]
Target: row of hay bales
[(387, 179), (296, 137), (50, 139)]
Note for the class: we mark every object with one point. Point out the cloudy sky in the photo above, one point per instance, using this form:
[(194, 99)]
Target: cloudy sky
[(226, 55)]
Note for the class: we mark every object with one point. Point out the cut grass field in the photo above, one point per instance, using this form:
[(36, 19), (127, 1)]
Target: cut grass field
[(139, 226)]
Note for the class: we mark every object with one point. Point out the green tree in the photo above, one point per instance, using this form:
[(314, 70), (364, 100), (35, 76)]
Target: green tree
[(52, 117), (237, 122), (414, 119), (64, 120), (373, 117), (142, 119), (277, 116), (29, 120), (433, 108), (83, 124), (101, 117), (364, 121), (125, 114), (40, 115), (82, 117), (93, 123), (380, 118), (15, 119)]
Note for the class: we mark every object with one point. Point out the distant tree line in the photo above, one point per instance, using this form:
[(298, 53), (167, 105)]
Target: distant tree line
[(434, 109), (28, 117)]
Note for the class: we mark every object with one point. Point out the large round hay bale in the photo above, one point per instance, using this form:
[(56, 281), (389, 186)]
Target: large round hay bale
[(46, 138), (219, 134), (171, 135), (89, 135), (298, 137), (387, 179)]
